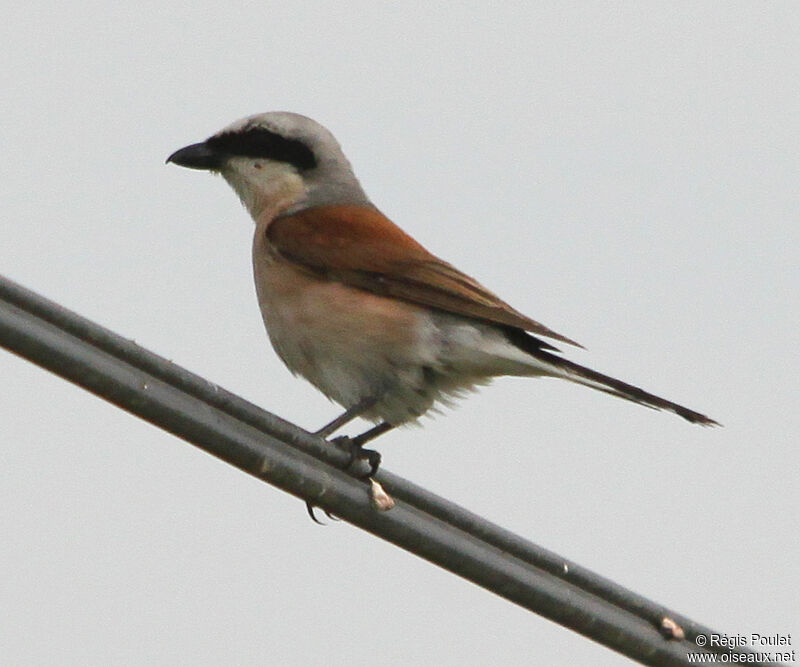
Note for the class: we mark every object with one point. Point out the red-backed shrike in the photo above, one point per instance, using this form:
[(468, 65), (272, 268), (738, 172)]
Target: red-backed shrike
[(354, 304)]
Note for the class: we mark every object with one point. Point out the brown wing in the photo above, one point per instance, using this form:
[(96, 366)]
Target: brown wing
[(363, 248)]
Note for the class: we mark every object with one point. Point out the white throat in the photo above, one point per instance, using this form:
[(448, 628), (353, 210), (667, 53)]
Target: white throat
[(265, 187)]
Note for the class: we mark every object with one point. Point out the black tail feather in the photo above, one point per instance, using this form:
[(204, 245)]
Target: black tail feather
[(622, 389)]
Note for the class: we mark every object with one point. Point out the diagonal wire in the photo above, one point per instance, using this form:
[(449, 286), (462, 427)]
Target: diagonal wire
[(296, 461)]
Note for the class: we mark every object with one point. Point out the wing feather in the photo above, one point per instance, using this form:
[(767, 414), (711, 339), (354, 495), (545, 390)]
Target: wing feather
[(363, 248)]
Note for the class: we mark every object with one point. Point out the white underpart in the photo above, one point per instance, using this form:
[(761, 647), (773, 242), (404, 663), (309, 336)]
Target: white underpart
[(452, 356), (432, 358)]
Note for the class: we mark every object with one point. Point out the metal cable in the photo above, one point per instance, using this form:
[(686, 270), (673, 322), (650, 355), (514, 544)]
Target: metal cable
[(254, 440)]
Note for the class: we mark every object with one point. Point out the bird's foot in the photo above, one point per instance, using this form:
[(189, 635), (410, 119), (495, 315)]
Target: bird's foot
[(357, 452)]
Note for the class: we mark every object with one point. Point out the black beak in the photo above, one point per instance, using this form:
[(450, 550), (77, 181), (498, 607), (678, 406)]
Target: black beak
[(197, 156)]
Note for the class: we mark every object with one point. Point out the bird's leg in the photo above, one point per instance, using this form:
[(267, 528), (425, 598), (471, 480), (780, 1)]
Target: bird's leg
[(347, 416)]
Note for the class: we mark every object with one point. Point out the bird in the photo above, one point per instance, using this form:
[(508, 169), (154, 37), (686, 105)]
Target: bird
[(355, 305)]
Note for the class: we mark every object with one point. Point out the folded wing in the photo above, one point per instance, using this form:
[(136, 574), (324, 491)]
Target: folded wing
[(363, 248)]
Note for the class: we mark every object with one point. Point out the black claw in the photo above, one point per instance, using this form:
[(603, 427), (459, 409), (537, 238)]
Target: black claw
[(358, 453), (310, 510), (373, 458)]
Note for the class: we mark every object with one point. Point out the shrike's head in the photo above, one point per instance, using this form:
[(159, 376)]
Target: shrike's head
[(277, 162)]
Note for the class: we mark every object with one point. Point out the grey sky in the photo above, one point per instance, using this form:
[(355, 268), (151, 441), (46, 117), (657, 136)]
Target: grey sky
[(625, 173)]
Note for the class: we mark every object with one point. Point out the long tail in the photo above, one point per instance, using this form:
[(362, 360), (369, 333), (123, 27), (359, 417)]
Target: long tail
[(586, 376)]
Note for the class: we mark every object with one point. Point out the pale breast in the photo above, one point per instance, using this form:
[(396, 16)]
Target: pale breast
[(347, 342)]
